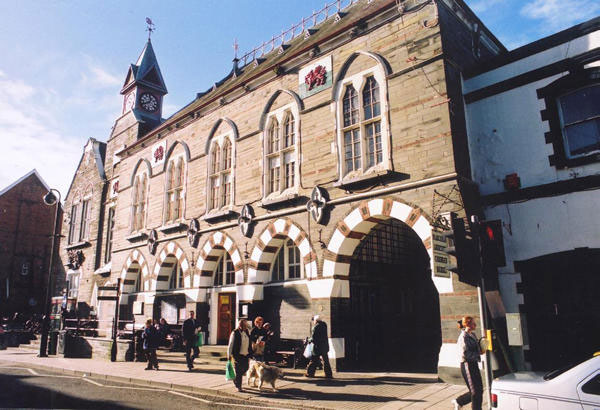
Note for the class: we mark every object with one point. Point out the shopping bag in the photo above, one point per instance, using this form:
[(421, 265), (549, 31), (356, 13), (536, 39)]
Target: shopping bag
[(200, 339), (308, 350), (229, 371)]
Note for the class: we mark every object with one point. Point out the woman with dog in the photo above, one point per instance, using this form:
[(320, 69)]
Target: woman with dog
[(239, 350)]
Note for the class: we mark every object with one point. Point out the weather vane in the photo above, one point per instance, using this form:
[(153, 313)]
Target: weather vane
[(150, 28)]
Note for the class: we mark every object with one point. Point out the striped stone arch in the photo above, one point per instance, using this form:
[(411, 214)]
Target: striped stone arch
[(268, 243), (358, 223), (135, 265), (211, 252), (169, 254)]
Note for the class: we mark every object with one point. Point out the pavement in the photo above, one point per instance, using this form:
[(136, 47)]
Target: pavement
[(385, 391)]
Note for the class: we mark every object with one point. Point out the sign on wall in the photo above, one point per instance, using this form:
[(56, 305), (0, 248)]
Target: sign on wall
[(315, 77), (159, 152), (441, 259)]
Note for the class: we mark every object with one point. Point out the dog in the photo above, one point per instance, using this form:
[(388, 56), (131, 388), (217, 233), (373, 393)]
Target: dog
[(264, 373)]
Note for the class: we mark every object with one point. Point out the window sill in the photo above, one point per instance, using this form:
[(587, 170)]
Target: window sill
[(77, 245), (137, 236), (277, 199), (176, 226), (218, 214), (361, 178)]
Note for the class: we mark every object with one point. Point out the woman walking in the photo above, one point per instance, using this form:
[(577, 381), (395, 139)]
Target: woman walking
[(238, 350), (150, 337), (470, 356)]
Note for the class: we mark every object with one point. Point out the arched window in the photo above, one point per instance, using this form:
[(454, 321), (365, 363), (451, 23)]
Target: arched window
[(175, 192), (280, 148), (363, 130), (287, 263), (140, 188), (220, 167), (176, 279), (224, 272)]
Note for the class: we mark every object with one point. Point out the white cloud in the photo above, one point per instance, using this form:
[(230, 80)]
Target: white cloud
[(560, 14), (30, 140)]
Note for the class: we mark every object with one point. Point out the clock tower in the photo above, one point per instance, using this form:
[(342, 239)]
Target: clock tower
[(143, 90)]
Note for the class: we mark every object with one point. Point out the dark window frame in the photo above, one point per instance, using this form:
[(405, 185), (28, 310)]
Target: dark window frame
[(578, 78)]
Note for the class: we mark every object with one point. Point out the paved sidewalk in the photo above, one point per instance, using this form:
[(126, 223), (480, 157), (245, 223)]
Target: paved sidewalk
[(386, 391)]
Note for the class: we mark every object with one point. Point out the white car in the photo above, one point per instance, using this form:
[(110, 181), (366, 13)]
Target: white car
[(572, 387)]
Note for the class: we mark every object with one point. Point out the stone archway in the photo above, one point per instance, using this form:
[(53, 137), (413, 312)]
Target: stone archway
[(210, 254), (264, 251), (135, 265), (161, 273)]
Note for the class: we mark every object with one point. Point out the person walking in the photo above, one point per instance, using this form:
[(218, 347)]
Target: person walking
[(470, 356), (320, 349), (239, 350), (150, 338), (190, 331), (257, 337)]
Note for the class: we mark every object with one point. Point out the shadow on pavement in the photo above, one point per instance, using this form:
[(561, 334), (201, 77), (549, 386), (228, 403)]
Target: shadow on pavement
[(16, 393), (299, 394), (375, 381)]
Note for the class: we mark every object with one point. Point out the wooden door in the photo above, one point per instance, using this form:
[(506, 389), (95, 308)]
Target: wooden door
[(226, 317)]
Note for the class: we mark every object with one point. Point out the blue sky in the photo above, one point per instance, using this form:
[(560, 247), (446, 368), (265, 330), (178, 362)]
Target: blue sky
[(63, 62)]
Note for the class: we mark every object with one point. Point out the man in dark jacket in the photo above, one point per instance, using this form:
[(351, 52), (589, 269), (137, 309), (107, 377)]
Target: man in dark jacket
[(190, 331), (320, 349), (150, 338)]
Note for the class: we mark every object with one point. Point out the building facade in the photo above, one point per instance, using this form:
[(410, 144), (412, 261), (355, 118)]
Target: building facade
[(25, 243), (534, 142), (311, 180)]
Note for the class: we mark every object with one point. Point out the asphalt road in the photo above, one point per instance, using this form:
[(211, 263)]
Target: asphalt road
[(23, 387)]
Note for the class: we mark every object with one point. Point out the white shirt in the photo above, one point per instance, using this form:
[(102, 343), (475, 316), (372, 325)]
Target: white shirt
[(245, 344)]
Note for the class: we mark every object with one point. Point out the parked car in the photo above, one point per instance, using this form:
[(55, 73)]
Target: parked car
[(572, 387)]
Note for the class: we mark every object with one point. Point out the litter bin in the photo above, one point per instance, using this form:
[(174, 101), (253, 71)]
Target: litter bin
[(52, 342)]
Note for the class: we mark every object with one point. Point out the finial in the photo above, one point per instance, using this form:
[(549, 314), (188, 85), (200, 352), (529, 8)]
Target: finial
[(150, 27), (236, 46)]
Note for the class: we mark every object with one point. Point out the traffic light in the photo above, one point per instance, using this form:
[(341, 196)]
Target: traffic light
[(492, 243), (463, 248)]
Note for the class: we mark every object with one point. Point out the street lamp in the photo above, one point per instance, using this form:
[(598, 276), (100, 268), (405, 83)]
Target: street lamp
[(49, 199)]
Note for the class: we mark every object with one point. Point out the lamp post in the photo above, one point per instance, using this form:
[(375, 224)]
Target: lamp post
[(49, 199)]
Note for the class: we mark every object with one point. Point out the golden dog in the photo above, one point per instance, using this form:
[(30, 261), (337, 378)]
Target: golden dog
[(264, 373)]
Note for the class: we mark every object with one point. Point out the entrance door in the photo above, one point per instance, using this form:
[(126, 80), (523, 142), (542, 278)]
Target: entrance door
[(226, 319)]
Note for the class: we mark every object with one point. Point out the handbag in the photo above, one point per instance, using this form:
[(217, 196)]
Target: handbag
[(200, 339), (308, 350), (229, 371)]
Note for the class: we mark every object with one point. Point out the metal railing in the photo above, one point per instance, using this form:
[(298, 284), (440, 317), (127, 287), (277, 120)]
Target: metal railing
[(316, 18)]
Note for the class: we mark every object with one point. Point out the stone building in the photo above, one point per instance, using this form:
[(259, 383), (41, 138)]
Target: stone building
[(25, 243), (311, 179)]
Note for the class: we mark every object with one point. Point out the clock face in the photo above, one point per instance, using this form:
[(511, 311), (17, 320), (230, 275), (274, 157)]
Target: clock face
[(129, 101), (149, 102)]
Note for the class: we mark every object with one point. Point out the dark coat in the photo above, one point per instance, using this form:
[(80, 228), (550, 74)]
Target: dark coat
[(256, 333), (189, 329), (151, 338), (319, 339)]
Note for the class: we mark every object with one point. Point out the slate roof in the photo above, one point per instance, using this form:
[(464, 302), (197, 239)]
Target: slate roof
[(145, 71)]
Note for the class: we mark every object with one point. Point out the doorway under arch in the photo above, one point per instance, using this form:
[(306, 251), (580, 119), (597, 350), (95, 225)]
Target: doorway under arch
[(394, 312)]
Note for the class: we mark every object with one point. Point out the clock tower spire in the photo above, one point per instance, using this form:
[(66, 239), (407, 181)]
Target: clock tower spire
[(144, 88)]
